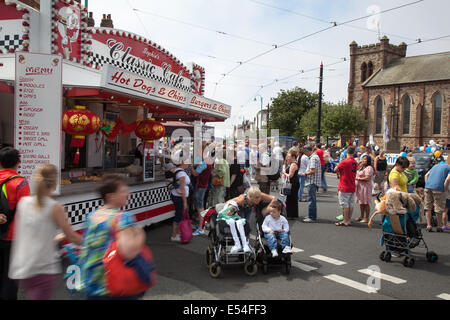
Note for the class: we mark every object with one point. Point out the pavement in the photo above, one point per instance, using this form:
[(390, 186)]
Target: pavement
[(329, 262)]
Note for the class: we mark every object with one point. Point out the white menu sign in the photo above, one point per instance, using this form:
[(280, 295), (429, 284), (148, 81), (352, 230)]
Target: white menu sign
[(38, 111)]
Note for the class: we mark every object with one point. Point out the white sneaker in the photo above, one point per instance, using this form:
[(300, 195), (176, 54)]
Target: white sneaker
[(176, 238), (247, 249), (287, 249), (235, 249), (274, 253)]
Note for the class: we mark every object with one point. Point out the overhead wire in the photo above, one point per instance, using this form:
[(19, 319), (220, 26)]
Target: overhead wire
[(335, 24)]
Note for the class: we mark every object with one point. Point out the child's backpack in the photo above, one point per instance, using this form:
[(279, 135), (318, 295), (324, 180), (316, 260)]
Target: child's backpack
[(5, 209), (174, 184)]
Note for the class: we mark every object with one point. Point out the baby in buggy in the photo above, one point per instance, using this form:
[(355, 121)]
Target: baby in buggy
[(400, 230), (229, 240), (274, 244), (275, 226), (230, 215)]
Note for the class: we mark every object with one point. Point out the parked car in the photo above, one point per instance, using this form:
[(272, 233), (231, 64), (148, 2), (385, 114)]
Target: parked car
[(424, 162)]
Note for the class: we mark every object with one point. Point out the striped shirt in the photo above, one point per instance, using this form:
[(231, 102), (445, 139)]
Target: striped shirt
[(316, 178)]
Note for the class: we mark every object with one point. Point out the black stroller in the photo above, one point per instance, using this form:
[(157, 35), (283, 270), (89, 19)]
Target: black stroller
[(264, 256), (218, 252)]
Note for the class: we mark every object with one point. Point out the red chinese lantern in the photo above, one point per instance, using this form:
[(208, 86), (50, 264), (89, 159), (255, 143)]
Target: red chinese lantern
[(149, 130), (79, 122)]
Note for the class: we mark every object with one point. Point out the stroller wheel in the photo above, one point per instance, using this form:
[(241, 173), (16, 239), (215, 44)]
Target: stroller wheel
[(287, 267), (382, 255), (251, 268), (209, 256), (431, 256), (406, 262), (215, 269), (265, 268), (387, 257)]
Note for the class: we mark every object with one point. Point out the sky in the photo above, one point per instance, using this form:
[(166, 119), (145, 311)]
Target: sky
[(192, 30)]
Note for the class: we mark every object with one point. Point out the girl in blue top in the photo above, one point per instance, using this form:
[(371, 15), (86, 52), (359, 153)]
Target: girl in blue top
[(104, 226)]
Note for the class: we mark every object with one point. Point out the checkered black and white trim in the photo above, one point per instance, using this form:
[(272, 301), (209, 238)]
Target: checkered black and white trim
[(11, 42), (77, 211), (100, 60)]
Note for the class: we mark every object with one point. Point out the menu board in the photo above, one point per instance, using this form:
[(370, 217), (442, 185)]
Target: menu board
[(149, 162), (38, 111)]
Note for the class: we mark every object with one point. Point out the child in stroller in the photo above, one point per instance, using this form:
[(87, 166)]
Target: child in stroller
[(276, 227), (224, 224), (236, 223), (273, 251), (400, 238)]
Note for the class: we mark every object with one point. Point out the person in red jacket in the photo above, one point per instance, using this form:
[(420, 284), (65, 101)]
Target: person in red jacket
[(16, 187)]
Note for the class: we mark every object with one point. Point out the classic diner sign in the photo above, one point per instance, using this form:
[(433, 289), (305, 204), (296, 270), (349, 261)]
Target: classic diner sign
[(122, 81), (141, 56)]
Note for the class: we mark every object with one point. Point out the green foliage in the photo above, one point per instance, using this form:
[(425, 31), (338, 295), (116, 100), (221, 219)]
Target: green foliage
[(337, 120), (288, 108), (344, 120)]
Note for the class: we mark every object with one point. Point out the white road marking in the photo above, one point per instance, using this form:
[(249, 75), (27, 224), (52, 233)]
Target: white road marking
[(350, 283), (302, 266), (382, 276), (329, 260), (444, 296)]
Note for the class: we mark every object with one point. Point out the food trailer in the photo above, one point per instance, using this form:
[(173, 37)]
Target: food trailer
[(92, 101)]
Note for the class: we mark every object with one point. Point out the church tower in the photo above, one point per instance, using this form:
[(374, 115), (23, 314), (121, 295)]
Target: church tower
[(366, 61)]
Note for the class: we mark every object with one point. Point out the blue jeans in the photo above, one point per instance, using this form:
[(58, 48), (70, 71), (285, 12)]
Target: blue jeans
[(312, 204), (272, 240), (410, 189), (302, 186), (324, 182)]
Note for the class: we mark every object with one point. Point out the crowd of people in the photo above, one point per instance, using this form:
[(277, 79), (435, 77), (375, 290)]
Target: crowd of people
[(363, 173), (29, 222)]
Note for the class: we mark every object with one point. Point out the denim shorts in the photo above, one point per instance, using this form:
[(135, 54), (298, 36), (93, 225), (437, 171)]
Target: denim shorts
[(447, 204), (199, 197), (179, 207)]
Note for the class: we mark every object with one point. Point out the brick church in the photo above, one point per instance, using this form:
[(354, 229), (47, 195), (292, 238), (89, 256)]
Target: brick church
[(412, 92)]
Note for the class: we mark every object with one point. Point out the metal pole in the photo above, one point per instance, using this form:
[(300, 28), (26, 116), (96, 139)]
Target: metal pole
[(320, 103), (261, 109)]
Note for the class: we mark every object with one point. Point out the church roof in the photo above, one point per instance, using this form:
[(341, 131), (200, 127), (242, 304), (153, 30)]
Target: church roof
[(430, 67)]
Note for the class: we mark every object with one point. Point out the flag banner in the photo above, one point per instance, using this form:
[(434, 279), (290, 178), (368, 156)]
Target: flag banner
[(386, 130)]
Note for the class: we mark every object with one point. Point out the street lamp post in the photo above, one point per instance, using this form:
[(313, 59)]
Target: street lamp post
[(260, 116), (320, 104)]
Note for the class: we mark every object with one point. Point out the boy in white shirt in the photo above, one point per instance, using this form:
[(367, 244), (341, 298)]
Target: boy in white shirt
[(276, 227)]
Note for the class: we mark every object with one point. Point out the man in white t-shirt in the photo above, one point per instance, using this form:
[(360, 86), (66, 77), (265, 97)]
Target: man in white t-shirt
[(304, 161)]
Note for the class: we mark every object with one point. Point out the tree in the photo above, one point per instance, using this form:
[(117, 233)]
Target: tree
[(344, 120), (337, 120), (288, 108)]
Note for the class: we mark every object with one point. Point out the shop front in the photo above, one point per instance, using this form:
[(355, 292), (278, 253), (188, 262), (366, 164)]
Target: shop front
[(93, 101)]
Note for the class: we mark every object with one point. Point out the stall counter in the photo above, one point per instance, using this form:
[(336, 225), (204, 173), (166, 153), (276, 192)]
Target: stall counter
[(149, 202)]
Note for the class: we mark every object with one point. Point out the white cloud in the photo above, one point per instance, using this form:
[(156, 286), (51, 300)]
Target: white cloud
[(427, 19)]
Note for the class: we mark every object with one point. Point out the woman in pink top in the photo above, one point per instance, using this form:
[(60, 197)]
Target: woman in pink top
[(364, 186)]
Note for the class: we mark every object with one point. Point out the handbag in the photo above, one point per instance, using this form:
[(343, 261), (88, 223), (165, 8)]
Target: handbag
[(217, 181), (186, 228), (123, 280), (287, 187), (247, 184)]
